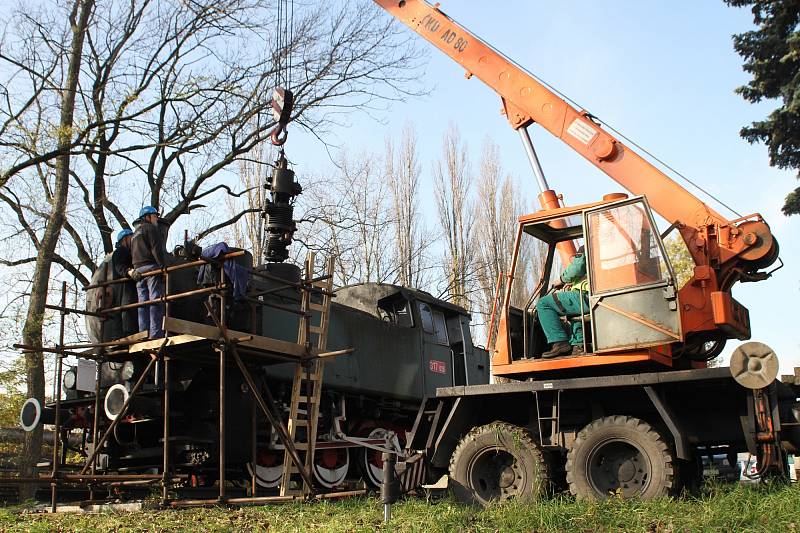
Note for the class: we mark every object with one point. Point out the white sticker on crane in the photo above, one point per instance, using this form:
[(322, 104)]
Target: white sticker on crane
[(582, 131)]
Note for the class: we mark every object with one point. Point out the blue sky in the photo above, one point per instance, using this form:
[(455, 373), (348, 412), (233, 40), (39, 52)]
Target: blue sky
[(663, 73)]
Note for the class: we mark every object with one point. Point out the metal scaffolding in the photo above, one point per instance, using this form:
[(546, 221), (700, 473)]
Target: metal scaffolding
[(184, 339)]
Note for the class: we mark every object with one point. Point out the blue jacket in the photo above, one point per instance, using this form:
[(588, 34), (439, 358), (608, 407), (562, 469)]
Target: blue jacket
[(237, 275)]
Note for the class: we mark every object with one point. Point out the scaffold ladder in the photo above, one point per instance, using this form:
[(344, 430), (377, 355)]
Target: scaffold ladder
[(307, 385)]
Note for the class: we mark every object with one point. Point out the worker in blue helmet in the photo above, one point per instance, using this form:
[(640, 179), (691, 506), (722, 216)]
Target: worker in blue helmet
[(121, 257), (122, 265), (149, 254), (570, 298)]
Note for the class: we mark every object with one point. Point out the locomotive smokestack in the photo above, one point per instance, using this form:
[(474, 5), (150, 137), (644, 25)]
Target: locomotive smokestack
[(279, 211)]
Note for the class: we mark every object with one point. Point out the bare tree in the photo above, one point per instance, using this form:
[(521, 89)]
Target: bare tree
[(250, 231), (175, 93), (499, 204), (403, 173), (32, 330), (453, 183), (348, 216), (172, 95)]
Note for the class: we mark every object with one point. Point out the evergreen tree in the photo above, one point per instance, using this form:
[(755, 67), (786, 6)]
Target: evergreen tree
[(772, 56)]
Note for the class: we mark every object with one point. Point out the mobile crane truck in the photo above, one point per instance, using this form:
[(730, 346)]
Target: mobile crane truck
[(635, 412)]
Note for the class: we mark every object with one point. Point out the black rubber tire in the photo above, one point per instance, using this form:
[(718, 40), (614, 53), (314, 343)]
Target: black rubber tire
[(493, 455), (620, 445)]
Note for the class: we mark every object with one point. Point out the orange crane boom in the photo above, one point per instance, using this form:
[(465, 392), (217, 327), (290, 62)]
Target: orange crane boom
[(526, 100)]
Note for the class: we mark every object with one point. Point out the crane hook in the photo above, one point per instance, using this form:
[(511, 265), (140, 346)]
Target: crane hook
[(282, 105), (275, 135)]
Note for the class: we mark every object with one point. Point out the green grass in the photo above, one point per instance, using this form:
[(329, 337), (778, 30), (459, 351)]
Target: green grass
[(731, 509)]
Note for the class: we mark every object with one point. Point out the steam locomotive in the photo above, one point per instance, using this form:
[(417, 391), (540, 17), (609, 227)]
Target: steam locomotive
[(405, 343)]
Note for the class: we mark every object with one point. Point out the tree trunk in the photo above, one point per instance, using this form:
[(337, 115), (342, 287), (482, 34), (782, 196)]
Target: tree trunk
[(32, 330)]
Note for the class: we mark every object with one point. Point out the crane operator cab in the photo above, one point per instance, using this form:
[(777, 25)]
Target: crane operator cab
[(629, 318)]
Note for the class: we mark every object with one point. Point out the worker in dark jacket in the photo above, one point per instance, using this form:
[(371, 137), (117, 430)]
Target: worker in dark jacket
[(569, 299), (149, 253), (122, 265), (121, 257)]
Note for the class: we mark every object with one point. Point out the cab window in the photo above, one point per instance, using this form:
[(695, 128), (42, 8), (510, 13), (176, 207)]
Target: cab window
[(402, 313), (426, 316), (624, 248), (433, 322), (396, 311), (440, 327)]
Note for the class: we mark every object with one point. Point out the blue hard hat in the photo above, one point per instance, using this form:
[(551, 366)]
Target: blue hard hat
[(147, 210), (124, 233)]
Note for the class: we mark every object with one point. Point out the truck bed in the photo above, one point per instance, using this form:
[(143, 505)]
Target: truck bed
[(627, 380)]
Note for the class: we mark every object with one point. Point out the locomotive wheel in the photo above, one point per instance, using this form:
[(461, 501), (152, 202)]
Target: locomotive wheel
[(370, 461), (620, 455), (498, 461), (331, 466), (269, 468)]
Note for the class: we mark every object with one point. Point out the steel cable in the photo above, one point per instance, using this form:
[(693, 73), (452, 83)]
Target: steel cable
[(604, 123)]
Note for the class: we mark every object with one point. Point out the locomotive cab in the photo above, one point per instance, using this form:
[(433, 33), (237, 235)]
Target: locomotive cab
[(421, 341), (631, 312)]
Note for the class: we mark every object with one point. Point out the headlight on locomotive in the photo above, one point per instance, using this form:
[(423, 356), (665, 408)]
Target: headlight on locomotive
[(126, 373), (70, 379)]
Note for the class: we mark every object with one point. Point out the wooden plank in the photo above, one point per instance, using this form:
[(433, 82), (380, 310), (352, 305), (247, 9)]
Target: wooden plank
[(142, 335), (315, 396), (155, 344), (266, 344)]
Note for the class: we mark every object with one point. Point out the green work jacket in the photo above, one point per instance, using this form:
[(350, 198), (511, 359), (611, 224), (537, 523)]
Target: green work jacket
[(575, 274)]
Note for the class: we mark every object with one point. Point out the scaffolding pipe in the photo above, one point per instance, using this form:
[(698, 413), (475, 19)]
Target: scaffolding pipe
[(165, 467), (163, 299), (96, 420), (166, 270), (71, 310), (253, 448), (222, 352), (224, 345), (57, 382), (266, 499), (25, 348)]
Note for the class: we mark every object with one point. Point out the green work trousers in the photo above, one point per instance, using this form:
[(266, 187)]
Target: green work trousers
[(549, 313)]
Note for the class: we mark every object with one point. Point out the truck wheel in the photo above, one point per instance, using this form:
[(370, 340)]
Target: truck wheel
[(497, 461), (619, 455)]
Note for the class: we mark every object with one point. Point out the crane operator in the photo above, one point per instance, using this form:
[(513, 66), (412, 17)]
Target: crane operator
[(570, 298)]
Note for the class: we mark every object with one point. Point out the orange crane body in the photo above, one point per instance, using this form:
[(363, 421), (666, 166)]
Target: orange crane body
[(724, 251)]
